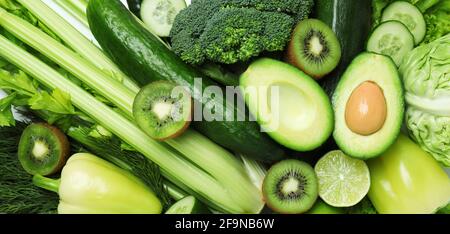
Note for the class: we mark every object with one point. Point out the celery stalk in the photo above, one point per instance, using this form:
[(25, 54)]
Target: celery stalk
[(76, 40), (172, 164), (213, 159), (68, 59), (75, 8)]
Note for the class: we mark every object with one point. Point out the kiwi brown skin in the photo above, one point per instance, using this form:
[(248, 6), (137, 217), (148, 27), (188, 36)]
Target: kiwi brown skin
[(182, 130), (62, 142), (291, 58), (292, 54), (65, 147)]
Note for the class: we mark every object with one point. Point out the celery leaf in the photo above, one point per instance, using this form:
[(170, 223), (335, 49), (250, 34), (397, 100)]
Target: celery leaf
[(56, 102), (6, 115), (18, 82)]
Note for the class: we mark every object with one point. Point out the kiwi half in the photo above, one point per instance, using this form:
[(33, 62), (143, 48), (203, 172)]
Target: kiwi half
[(163, 110), (290, 187), (314, 48), (43, 149)]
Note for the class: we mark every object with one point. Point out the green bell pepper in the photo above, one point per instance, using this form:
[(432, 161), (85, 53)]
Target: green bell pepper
[(406, 179), (90, 185)]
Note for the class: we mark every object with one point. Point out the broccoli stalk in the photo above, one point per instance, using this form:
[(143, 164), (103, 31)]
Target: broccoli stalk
[(231, 31)]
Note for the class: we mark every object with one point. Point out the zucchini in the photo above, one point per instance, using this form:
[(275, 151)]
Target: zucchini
[(351, 21), (145, 58), (188, 205)]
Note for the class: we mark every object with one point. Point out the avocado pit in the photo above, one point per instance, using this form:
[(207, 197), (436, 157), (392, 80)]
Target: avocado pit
[(366, 109)]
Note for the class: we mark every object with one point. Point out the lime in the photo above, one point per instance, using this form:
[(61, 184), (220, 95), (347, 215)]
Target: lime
[(343, 181)]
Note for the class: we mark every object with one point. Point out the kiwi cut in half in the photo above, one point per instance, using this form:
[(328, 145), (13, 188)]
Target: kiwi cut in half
[(43, 149), (314, 48), (163, 110), (290, 187)]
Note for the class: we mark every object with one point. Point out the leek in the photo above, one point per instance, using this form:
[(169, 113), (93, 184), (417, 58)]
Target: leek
[(215, 180)]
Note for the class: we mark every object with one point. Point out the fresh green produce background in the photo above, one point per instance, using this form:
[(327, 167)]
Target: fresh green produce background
[(56, 70)]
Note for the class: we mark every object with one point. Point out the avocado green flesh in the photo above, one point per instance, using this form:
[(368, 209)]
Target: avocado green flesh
[(382, 71), (288, 104)]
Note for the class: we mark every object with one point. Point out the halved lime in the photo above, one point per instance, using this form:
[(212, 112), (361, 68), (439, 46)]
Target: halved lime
[(343, 181)]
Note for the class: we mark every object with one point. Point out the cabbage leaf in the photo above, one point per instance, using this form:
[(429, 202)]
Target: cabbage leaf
[(426, 77)]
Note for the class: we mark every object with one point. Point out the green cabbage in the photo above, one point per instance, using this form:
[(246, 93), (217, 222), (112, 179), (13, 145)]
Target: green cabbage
[(426, 77)]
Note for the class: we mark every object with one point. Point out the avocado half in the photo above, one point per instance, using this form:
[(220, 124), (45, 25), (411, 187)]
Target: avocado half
[(288, 104), (382, 71)]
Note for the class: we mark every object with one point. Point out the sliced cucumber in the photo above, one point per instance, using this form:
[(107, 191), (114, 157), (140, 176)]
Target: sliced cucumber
[(159, 15), (392, 39), (409, 15), (188, 205)]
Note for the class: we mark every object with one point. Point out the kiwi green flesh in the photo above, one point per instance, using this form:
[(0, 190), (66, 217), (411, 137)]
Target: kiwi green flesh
[(161, 114), (314, 48), (290, 187), (43, 149)]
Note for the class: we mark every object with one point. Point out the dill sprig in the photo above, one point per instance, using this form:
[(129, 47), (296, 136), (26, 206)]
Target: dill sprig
[(18, 195)]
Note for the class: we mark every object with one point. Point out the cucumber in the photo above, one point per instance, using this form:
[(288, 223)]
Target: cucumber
[(409, 15), (351, 21), (188, 205), (143, 57), (393, 39), (159, 15)]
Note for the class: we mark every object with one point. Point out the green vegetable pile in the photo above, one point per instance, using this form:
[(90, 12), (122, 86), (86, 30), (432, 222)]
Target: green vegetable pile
[(336, 107), (235, 31), (65, 87)]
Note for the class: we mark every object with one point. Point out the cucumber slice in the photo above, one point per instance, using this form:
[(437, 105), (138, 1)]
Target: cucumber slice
[(409, 15), (188, 205), (159, 15), (392, 39)]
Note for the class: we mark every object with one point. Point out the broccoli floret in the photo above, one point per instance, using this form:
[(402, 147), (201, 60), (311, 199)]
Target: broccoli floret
[(188, 26), (228, 31), (237, 34), (299, 9)]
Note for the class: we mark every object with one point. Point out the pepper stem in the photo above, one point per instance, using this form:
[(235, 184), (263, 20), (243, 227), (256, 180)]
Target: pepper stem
[(46, 183)]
